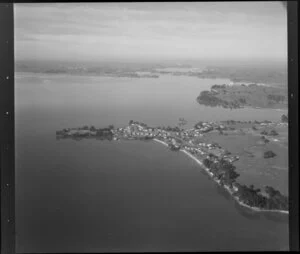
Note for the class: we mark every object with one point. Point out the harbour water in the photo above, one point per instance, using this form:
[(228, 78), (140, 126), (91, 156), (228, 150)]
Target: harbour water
[(102, 196)]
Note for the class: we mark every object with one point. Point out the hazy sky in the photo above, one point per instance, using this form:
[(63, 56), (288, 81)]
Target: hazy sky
[(196, 30)]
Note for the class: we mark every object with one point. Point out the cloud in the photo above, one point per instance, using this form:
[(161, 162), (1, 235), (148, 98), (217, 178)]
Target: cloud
[(97, 30)]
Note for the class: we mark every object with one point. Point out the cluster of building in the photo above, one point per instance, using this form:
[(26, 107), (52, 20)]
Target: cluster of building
[(231, 159), (194, 150), (135, 130), (205, 127), (176, 138), (190, 133)]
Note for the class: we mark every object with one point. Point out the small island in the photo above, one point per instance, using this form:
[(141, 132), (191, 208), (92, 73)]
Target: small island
[(217, 161), (239, 96)]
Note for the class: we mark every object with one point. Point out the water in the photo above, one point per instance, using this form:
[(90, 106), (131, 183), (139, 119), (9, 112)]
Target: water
[(101, 196)]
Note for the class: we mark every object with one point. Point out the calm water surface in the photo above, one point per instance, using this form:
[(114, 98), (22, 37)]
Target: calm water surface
[(94, 196)]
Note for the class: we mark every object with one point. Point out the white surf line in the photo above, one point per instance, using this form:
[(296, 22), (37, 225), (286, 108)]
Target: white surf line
[(225, 187), (229, 190), (162, 142)]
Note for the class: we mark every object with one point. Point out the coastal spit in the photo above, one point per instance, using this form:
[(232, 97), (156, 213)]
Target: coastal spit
[(217, 161)]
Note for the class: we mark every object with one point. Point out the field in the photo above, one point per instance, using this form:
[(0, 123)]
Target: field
[(250, 147)]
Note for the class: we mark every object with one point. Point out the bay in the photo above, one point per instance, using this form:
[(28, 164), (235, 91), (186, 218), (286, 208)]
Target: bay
[(101, 196)]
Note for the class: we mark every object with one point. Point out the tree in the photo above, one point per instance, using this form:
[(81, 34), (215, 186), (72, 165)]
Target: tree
[(284, 118), (269, 154), (111, 127), (276, 199), (276, 97), (271, 191), (198, 125), (230, 176), (273, 133), (264, 132), (264, 139), (226, 152), (99, 132)]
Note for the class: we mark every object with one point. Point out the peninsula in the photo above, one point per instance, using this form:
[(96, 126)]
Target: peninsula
[(217, 161)]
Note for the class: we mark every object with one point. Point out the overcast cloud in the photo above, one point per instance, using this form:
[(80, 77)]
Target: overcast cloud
[(96, 31)]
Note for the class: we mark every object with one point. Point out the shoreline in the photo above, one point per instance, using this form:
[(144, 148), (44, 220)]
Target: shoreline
[(255, 107), (159, 141), (283, 109), (225, 187)]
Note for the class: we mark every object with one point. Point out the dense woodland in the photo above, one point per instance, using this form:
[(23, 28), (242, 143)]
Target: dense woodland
[(225, 172), (222, 170), (237, 96), (254, 197)]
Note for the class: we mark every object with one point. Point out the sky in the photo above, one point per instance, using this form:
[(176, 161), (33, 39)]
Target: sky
[(151, 31)]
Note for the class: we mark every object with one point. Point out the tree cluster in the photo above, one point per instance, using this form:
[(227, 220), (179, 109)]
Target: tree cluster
[(269, 133), (222, 170), (104, 133), (169, 128), (174, 148), (253, 197), (218, 86), (269, 154), (139, 123), (207, 98), (276, 97)]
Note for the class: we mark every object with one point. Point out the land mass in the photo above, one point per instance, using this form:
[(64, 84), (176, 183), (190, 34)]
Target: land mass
[(239, 96), (272, 74), (217, 161)]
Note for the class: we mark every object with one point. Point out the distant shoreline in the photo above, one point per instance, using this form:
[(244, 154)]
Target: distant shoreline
[(225, 187), (241, 96)]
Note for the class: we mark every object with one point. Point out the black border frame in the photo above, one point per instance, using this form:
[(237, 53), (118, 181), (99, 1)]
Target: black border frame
[(293, 82), (7, 126), (7, 123)]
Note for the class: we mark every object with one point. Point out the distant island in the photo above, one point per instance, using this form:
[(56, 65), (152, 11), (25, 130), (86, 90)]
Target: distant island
[(118, 70), (275, 75), (239, 96), (265, 74), (270, 74), (103, 72), (212, 157)]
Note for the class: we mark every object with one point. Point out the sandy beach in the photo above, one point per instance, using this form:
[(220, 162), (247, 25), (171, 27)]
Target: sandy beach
[(230, 191), (159, 141)]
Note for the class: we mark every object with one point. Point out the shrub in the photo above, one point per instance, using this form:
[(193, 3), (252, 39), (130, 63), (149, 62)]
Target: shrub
[(284, 119), (269, 154)]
